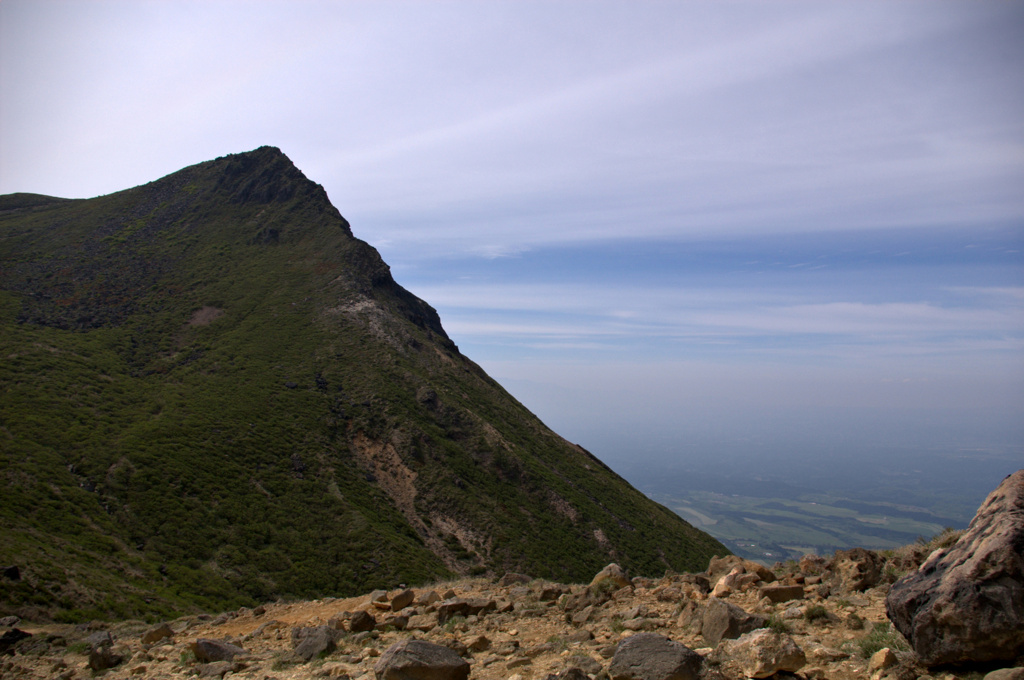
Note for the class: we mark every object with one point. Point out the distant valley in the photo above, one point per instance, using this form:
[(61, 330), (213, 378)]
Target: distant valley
[(878, 502), (779, 529)]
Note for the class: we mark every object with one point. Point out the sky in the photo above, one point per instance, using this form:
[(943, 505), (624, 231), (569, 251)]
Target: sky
[(739, 233)]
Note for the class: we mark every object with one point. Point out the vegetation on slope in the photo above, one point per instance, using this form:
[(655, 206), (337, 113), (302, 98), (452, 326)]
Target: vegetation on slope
[(213, 395)]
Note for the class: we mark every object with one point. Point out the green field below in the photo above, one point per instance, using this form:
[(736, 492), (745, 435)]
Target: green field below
[(778, 529)]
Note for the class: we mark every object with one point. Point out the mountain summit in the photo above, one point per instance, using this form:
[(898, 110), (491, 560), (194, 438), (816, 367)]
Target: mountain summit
[(213, 394)]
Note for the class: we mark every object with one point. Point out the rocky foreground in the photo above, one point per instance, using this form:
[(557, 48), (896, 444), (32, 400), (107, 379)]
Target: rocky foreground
[(960, 600), (817, 619)]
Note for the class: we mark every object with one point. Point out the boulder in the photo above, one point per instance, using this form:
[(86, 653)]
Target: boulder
[(613, 573), (726, 584), (724, 620), (584, 663), (1006, 674), (582, 635), (966, 602), (649, 656), (102, 653), (882, 659), (217, 669), (397, 621), (100, 637), (550, 593), (11, 638), (158, 633), (480, 643), (569, 674), (103, 657), (812, 565), (857, 569), (208, 651), (419, 660), (699, 583), (763, 653), (719, 566), (588, 597), (421, 622), (402, 600), (311, 642), (462, 607), (511, 578), (778, 594), (428, 598), (361, 621), (582, 616)]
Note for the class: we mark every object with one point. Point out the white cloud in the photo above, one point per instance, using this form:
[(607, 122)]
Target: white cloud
[(648, 313)]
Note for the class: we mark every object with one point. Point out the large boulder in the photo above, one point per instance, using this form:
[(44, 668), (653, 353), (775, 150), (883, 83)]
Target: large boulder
[(724, 620), (11, 638), (208, 651), (966, 603), (361, 621), (402, 600), (720, 566), (310, 642), (857, 569), (763, 653), (781, 593), (614, 573), (648, 656), (418, 660), (102, 653), (157, 634)]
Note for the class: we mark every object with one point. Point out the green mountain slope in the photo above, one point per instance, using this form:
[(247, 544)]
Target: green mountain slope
[(212, 394)]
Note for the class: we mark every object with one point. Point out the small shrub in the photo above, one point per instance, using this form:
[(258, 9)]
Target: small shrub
[(282, 662), (79, 648), (558, 642), (882, 635), (945, 538), (816, 612), (453, 622), (891, 573), (776, 624)]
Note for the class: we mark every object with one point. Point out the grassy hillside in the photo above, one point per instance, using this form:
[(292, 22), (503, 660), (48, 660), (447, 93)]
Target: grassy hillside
[(211, 395)]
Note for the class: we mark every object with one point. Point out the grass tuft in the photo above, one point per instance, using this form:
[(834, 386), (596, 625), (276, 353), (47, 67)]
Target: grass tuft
[(882, 635)]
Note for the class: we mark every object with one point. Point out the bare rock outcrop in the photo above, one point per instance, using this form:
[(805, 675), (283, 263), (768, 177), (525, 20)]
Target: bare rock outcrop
[(763, 653), (856, 569), (966, 603), (419, 660), (648, 656), (208, 651), (724, 620), (613, 573)]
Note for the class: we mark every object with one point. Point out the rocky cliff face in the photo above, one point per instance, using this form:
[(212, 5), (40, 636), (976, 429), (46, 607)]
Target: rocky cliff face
[(214, 395)]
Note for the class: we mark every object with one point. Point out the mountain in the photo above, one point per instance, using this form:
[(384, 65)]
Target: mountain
[(214, 395)]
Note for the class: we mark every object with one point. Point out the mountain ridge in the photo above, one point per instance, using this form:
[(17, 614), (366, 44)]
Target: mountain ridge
[(215, 394)]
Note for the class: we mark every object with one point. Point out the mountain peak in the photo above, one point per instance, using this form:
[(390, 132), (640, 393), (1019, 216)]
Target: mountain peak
[(214, 389)]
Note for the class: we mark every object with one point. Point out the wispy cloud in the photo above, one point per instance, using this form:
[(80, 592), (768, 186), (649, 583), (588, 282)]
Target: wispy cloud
[(602, 202)]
